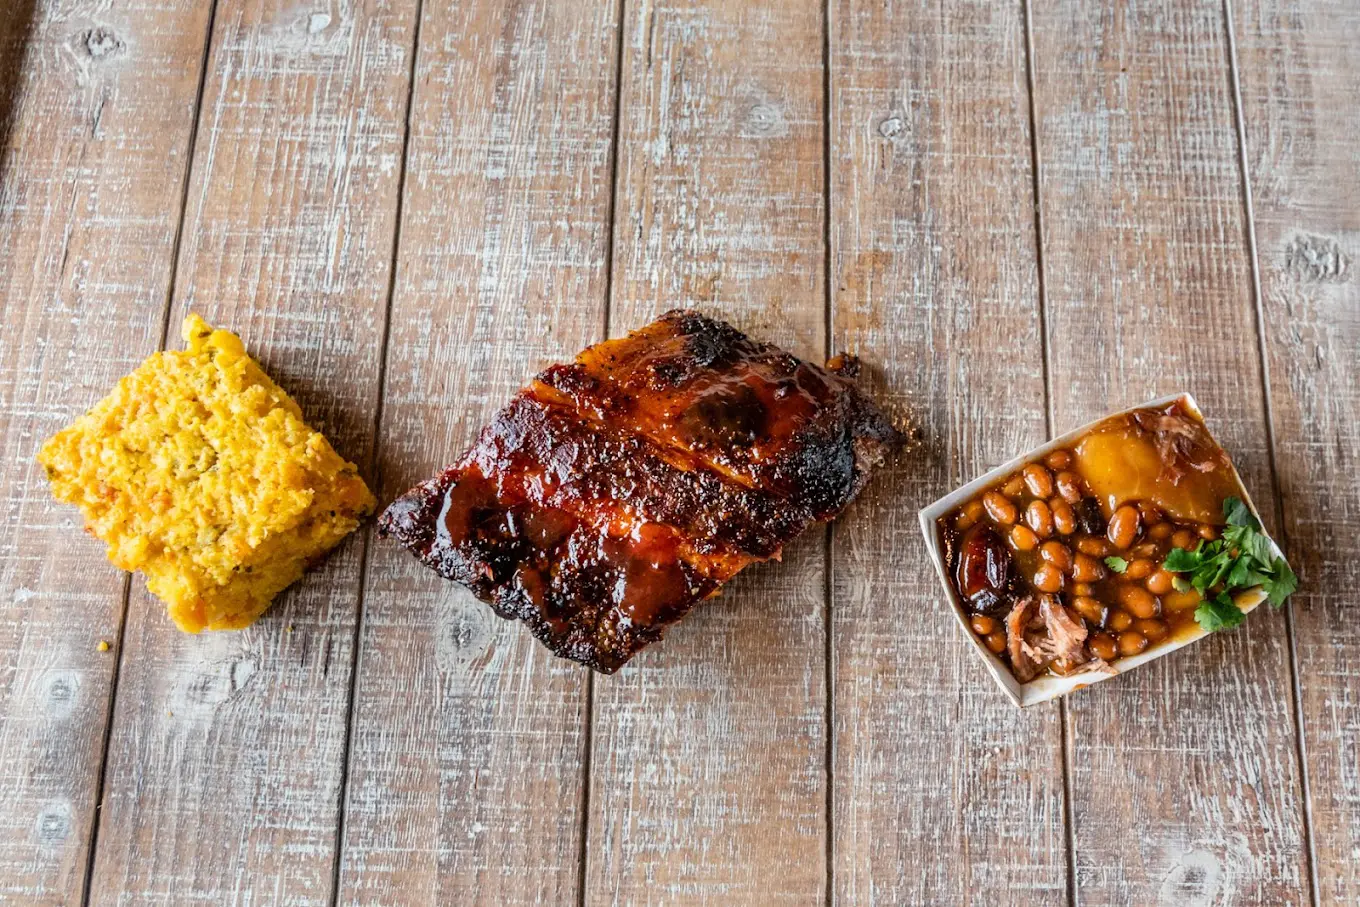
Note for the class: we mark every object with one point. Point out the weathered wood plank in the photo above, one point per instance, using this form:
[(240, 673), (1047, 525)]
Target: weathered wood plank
[(708, 770), (227, 749), (467, 763), (1299, 72), (100, 110), (1185, 783), (941, 796)]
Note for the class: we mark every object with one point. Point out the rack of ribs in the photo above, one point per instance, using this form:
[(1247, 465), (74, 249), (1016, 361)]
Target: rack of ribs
[(612, 494)]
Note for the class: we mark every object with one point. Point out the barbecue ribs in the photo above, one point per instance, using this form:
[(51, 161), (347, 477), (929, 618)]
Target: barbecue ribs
[(612, 494)]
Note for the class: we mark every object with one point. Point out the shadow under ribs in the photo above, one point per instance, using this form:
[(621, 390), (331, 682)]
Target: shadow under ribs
[(612, 494)]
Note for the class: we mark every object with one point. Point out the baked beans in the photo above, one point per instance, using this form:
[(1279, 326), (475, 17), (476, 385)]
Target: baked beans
[(1048, 578), (1086, 569), (1038, 480), (1093, 547), (1039, 518), (1131, 642), (1138, 601), (1087, 566), (1056, 553), (1123, 529), (1023, 538), (1102, 646), (1069, 486), (1160, 582), (1154, 630), (1000, 509), (1139, 569), (1089, 608), (1053, 540), (1064, 519)]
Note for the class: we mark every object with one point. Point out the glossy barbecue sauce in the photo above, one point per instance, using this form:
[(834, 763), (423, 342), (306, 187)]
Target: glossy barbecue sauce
[(562, 564), (714, 397), (1060, 564), (615, 492)]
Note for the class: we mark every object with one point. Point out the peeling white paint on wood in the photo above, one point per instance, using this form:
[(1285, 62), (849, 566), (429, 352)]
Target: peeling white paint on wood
[(227, 749), (90, 191), (1184, 775), (1299, 80), (708, 774), (466, 778), (708, 779), (944, 792)]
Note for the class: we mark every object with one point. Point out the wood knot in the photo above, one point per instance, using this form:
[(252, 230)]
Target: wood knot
[(101, 42), (464, 638), (61, 688), (763, 120), (1317, 259), (224, 681), (53, 825), (758, 114), (1194, 880)]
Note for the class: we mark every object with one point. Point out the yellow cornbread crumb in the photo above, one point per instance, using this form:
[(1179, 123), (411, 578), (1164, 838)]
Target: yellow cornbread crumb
[(104, 645), (199, 471)]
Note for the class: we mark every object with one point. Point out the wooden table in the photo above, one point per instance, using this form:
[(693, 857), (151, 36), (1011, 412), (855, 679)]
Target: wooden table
[(1020, 215)]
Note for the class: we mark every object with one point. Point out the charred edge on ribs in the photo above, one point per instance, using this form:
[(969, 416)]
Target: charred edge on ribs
[(613, 493)]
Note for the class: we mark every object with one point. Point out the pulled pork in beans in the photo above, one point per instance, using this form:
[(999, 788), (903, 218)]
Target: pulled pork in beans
[(1039, 633), (1182, 442), (1069, 552)]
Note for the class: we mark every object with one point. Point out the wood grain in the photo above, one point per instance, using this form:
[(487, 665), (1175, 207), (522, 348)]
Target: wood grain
[(1185, 782), (709, 777), (97, 113), (1300, 76), (708, 774), (467, 765), (227, 750), (944, 791)]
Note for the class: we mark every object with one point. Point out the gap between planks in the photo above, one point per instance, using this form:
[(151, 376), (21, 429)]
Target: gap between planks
[(829, 562), (346, 751), (1036, 173), (588, 741), (88, 884), (1258, 309), (1045, 354)]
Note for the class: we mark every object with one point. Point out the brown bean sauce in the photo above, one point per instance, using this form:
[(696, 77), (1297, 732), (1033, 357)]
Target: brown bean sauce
[(1065, 555)]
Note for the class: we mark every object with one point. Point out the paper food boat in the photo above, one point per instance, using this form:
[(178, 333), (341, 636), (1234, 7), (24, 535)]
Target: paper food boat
[(1048, 686)]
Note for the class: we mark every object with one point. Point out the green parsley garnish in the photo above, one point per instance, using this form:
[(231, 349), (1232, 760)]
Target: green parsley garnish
[(1219, 613), (1241, 559), (1237, 513), (1117, 564)]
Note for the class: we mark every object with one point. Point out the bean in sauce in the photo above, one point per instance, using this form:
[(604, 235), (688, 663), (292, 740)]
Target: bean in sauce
[(1085, 564)]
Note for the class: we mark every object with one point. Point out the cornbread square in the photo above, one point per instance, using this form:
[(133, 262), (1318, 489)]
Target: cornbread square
[(199, 471)]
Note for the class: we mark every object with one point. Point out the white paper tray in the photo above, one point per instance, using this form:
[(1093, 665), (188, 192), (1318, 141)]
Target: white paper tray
[(1049, 686)]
